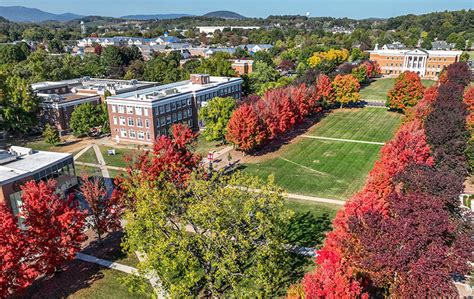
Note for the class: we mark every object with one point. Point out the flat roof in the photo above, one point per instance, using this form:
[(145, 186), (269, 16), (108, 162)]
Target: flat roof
[(169, 90), (404, 51), (27, 165)]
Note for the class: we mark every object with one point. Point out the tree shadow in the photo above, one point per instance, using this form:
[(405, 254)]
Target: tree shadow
[(286, 138), (77, 275)]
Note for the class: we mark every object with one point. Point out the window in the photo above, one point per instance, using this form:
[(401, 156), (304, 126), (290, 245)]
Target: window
[(132, 134), (139, 122), (123, 133), (114, 108), (180, 115), (138, 110), (145, 111), (173, 106), (162, 109), (190, 112), (178, 104), (173, 118), (162, 121), (183, 103), (168, 119), (148, 135), (121, 109), (189, 102), (185, 113), (167, 107), (115, 120), (141, 135), (147, 123), (122, 121), (190, 123), (130, 121), (129, 110)]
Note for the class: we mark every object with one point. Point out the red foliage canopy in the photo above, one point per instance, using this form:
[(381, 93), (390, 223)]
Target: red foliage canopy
[(16, 270), (54, 224), (245, 129)]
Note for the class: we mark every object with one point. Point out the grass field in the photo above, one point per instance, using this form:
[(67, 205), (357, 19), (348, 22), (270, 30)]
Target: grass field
[(377, 90), (119, 159), (317, 209), (204, 146), (327, 168), (88, 157)]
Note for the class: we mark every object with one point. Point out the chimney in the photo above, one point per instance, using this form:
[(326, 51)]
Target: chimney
[(200, 79)]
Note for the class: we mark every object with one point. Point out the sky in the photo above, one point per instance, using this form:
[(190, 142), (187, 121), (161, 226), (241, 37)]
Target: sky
[(251, 8)]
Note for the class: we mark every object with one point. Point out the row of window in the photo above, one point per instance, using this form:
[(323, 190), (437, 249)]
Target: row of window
[(430, 58), (130, 109), (135, 135), (171, 118), (173, 106), (165, 131), (131, 121)]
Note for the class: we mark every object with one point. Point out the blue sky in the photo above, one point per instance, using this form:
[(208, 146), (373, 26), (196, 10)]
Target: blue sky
[(252, 8)]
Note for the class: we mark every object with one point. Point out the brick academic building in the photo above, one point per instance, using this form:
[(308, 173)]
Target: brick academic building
[(426, 63), (143, 115), (59, 99)]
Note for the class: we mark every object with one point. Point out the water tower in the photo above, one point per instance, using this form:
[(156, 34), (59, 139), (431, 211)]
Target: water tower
[(83, 28)]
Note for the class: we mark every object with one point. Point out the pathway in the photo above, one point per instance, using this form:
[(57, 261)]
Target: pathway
[(99, 166), (343, 140), (82, 152), (315, 199), (106, 263)]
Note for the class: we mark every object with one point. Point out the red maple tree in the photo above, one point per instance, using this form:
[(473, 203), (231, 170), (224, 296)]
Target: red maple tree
[(245, 129), (54, 224), (469, 101), (324, 88), (16, 271), (105, 211)]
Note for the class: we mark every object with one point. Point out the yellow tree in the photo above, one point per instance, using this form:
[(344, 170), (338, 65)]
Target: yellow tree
[(346, 89)]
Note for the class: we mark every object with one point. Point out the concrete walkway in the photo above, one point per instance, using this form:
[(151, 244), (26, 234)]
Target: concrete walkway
[(99, 166), (153, 278), (106, 263), (315, 199), (82, 152), (343, 140)]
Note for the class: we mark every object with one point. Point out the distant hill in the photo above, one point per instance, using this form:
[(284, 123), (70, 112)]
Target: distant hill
[(25, 14), (224, 14), (155, 16)]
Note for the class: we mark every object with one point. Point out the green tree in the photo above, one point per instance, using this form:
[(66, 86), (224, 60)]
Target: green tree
[(51, 135), (18, 104), (56, 46), (84, 118), (163, 69), (112, 60), (215, 238), (217, 65), (262, 73), (464, 57), (216, 115)]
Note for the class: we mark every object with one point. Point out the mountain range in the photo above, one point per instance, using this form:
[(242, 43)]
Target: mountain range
[(26, 14)]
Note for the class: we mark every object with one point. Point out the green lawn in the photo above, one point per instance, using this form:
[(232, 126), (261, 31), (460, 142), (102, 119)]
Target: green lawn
[(331, 169), (204, 146), (378, 89), (317, 209), (88, 157), (119, 159), (88, 170), (109, 286)]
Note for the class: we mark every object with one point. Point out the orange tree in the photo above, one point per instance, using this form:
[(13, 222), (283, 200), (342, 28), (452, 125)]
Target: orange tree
[(406, 92)]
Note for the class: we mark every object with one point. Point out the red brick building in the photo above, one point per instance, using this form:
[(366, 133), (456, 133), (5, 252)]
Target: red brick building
[(59, 99), (143, 115)]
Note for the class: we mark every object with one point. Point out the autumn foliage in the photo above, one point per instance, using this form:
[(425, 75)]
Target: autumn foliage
[(52, 234), (105, 211), (403, 234), (276, 113), (406, 92), (346, 89)]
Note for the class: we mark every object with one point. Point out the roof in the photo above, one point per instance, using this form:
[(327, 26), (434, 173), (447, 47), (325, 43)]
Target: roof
[(27, 165), (166, 91), (422, 51)]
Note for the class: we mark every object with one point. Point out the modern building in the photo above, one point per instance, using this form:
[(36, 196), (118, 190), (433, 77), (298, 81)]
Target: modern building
[(59, 99), (143, 115), (426, 63), (211, 29), (242, 66), (19, 165)]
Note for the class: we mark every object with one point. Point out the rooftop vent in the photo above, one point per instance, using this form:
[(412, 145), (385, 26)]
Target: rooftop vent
[(20, 151)]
